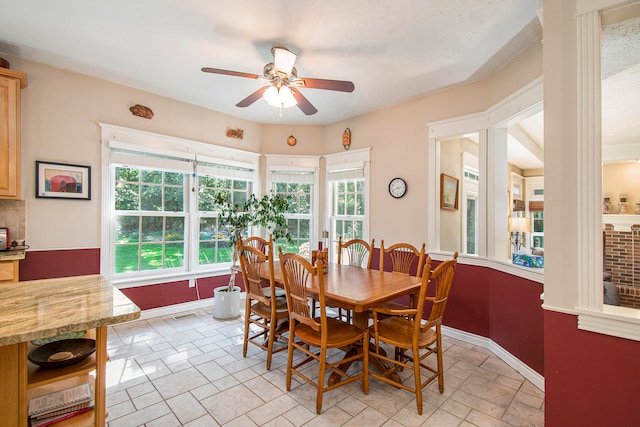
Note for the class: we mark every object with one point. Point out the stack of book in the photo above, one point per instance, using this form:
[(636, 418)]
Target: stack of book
[(59, 405)]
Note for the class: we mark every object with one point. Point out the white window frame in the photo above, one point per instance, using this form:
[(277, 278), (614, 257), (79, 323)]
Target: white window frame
[(162, 145), (354, 159), (493, 242), (533, 183), (470, 189), (289, 163)]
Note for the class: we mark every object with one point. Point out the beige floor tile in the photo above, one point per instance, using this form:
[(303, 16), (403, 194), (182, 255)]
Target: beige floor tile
[(483, 420), (186, 407), (442, 418), (370, 417), (232, 403), (488, 390), (299, 415), (204, 421), (175, 384), (520, 414), (190, 371), (147, 399), (272, 409)]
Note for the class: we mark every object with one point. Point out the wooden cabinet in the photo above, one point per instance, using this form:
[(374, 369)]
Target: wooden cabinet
[(29, 380), (42, 381), (10, 84), (9, 271)]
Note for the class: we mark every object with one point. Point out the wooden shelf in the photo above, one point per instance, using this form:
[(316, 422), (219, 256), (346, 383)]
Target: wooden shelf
[(39, 376), (85, 419)]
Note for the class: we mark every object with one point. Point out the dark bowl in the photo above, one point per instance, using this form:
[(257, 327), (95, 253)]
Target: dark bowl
[(80, 348)]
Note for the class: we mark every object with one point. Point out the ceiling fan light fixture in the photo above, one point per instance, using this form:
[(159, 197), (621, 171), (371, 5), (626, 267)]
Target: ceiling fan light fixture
[(281, 98), (283, 59), (286, 97), (271, 96)]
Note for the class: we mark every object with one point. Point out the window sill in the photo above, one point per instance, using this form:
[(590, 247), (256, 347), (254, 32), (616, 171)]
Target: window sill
[(622, 322), (132, 282)]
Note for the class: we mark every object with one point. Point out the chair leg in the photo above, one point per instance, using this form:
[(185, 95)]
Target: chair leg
[(323, 361), (289, 358), (247, 316), (440, 367), (365, 363), (272, 331), (416, 375)]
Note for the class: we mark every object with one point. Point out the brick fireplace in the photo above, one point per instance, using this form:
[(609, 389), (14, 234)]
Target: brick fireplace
[(622, 257)]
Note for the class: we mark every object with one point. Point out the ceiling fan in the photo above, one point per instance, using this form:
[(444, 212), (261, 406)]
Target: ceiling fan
[(282, 90)]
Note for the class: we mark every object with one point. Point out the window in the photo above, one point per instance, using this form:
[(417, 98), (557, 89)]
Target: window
[(299, 187), (470, 198), (160, 219), (150, 218), (348, 208), (214, 241), (348, 196), (297, 176)]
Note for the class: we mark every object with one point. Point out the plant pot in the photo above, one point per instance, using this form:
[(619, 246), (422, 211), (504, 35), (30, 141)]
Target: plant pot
[(226, 305)]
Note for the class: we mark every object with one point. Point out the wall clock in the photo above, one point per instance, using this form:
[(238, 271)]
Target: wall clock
[(397, 187)]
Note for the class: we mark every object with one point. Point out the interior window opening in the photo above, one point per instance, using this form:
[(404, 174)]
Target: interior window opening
[(459, 193), (620, 86)]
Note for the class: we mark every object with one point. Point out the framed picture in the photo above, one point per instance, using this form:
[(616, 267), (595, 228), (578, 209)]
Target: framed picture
[(63, 181), (448, 192)]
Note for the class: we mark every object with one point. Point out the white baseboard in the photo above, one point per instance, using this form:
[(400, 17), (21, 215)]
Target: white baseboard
[(179, 308), (524, 370)]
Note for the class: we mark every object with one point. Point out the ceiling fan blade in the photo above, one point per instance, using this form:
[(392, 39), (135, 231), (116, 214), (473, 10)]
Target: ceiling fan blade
[(229, 73), (253, 97), (339, 85), (303, 103)]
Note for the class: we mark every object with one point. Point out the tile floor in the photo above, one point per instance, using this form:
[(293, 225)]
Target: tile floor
[(188, 370)]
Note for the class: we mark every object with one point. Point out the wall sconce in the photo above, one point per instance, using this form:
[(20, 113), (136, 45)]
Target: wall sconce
[(519, 225), (292, 140), (346, 138)]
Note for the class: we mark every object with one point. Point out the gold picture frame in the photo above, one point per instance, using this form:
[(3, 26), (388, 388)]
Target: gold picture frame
[(448, 192)]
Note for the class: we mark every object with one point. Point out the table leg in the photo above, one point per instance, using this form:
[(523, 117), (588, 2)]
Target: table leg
[(361, 320)]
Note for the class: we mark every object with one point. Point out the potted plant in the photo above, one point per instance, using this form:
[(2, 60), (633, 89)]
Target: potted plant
[(266, 212)]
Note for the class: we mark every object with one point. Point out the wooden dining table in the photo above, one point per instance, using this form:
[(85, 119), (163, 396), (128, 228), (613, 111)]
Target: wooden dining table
[(357, 289)]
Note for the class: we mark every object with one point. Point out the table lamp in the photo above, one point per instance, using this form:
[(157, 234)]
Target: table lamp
[(518, 225)]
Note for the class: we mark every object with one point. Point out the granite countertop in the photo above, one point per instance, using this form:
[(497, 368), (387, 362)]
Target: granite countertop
[(11, 255), (44, 308)]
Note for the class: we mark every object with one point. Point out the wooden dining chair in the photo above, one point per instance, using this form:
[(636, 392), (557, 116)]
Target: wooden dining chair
[(354, 252), (259, 243), (265, 246), (307, 333), (262, 308), (414, 338), (403, 256)]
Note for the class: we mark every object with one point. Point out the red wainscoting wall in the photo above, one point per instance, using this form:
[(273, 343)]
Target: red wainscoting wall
[(165, 294), (595, 377), (59, 263)]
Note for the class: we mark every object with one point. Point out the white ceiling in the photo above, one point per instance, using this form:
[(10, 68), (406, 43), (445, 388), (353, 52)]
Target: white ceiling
[(391, 50)]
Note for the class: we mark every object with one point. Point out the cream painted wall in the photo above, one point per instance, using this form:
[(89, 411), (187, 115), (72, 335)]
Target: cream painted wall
[(561, 150), (61, 111), (60, 115), (622, 178)]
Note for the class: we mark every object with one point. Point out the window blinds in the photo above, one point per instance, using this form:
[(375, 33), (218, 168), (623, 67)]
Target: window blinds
[(346, 174), (292, 177)]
